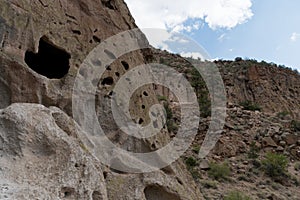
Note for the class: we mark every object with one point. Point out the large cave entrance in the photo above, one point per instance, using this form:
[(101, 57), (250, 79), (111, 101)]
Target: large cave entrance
[(50, 61)]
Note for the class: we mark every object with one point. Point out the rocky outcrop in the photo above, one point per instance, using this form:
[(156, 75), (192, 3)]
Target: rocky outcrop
[(42, 45), (41, 157), (268, 132), (247, 137), (275, 89), (262, 117)]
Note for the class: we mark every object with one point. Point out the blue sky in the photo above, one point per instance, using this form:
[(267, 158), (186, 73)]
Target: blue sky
[(260, 29)]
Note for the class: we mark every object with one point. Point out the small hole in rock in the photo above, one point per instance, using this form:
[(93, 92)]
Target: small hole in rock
[(105, 174), (109, 4), (145, 93), (107, 81), (168, 170), (179, 181), (125, 65), (77, 32), (68, 192), (141, 121), (117, 74), (143, 106), (96, 39), (153, 146), (50, 61), (108, 68)]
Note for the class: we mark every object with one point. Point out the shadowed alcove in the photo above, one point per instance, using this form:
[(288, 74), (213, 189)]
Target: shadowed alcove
[(50, 61)]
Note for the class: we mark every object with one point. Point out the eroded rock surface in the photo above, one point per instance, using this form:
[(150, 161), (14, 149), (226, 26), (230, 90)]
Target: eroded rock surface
[(41, 160), (42, 45)]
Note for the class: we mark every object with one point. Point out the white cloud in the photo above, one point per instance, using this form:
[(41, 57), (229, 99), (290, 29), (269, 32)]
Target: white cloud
[(295, 36), (195, 55), (159, 38), (173, 14), (175, 42)]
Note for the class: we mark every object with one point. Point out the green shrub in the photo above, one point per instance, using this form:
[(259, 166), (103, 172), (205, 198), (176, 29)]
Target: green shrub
[(253, 152), (204, 104), (274, 164), (168, 110), (171, 125), (235, 195), (196, 149), (282, 114), (219, 171), (191, 162), (195, 173), (162, 98), (256, 163), (162, 60), (238, 59), (202, 92), (249, 105), (243, 178), (295, 125)]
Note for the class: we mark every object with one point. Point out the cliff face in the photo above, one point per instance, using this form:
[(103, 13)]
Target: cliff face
[(275, 89), (65, 30), (42, 45)]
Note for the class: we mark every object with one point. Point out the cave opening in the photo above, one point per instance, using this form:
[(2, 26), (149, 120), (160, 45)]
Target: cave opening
[(50, 61)]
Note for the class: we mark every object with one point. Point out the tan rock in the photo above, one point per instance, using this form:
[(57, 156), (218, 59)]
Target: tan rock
[(39, 160), (204, 165), (291, 139), (52, 161), (269, 142)]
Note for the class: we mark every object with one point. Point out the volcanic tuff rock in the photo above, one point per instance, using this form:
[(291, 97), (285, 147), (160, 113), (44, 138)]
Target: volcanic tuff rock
[(42, 156), (262, 117), (273, 88), (42, 45)]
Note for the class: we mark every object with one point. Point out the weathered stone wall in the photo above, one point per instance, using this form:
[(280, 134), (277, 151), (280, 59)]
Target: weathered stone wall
[(42, 156)]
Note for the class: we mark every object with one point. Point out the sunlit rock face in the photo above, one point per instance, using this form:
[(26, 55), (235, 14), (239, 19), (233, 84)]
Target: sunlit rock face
[(42, 46)]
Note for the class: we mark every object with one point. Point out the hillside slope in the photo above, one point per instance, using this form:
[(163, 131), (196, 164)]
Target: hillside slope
[(262, 118)]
